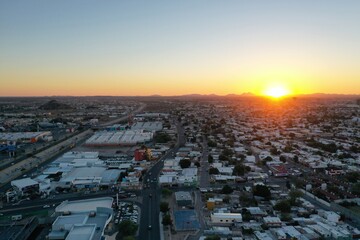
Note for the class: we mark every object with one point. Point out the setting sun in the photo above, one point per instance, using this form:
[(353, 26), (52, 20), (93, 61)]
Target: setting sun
[(277, 92)]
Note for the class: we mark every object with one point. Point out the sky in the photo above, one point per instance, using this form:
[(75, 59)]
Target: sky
[(127, 48)]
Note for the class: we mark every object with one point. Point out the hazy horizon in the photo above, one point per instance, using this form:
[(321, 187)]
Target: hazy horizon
[(142, 48)]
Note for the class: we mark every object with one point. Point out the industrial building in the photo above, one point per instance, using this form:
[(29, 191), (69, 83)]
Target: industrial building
[(183, 199), (25, 186), (83, 219), (89, 177), (148, 126), (119, 138), (25, 137)]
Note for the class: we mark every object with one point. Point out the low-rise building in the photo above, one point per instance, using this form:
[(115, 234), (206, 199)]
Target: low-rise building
[(183, 198), (223, 216)]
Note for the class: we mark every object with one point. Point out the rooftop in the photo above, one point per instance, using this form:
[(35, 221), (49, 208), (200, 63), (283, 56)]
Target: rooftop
[(85, 205), (24, 182), (82, 232)]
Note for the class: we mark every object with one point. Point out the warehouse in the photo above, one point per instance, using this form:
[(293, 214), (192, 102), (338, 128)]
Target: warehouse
[(25, 137), (25, 186), (119, 138), (148, 126), (82, 219)]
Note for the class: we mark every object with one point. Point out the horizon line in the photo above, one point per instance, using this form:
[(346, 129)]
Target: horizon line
[(245, 94)]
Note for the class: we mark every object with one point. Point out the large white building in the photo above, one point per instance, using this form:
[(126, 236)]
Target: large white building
[(25, 186), (119, 138), (223, 216), (82, 219)]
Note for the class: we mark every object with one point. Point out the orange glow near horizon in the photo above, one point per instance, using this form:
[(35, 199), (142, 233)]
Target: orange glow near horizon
[(276, 92)]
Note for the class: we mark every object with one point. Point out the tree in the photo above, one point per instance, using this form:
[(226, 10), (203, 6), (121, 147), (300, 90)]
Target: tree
[(294, 196), (224, 157), (227, 152), (162, 138), (167, 220), (164, 207), (185, 163), (274, 151), (226, 189), (212, 144), (240, 170), (210, 158), (267, 159), (127, 228), (213, 237), (197, 164), (226, 199), (355, 189), (129, 238), (214, 171), (262, 191), (283, 159), (353, 177), (166, 192), (283, 206)]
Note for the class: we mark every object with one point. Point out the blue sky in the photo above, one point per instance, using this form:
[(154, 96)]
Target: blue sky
[(165, 46)]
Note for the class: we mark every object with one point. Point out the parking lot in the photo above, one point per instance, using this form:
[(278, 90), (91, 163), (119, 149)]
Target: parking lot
[(127, 211)]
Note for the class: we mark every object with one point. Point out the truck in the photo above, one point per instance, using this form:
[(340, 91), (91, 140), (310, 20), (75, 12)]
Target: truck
[(16, 217)]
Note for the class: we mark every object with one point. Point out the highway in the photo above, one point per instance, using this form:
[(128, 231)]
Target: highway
[(38, 204), (149, 221)]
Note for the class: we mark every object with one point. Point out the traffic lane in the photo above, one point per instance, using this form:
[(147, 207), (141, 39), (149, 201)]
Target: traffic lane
[(145, 216), (42, 202)]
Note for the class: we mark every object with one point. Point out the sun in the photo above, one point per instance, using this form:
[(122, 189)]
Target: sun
[(277, 92)]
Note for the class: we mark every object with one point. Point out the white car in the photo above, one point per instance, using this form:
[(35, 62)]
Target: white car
[(46, 206)]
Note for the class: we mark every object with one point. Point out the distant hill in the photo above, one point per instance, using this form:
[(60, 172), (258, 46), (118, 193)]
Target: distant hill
[(327, 95), (54, 105), (247, 94)]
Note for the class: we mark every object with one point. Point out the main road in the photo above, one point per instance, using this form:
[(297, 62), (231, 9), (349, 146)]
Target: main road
[(150, 212)]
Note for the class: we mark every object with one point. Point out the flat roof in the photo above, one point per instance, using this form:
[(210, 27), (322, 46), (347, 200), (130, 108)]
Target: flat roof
[(69, 221), (149, 126), (13, 136), (227, 215), (87, 205), (84, 173), (119, 138), (82, 232), (183, 196), (24, 182)]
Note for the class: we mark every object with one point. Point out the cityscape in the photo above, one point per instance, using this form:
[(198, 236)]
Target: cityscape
[(180, 120)]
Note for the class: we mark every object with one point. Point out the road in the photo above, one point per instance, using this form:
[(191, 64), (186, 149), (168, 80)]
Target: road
[(149, 221), (204, 166), (38, 204)]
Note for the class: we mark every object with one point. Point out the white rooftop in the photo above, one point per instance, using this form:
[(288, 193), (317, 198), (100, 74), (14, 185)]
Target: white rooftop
[(81, 232), (88, 205), (24, 182)]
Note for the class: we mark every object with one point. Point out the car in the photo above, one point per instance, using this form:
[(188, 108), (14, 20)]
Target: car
[(150, 195), (149, 227), (46, 206)]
